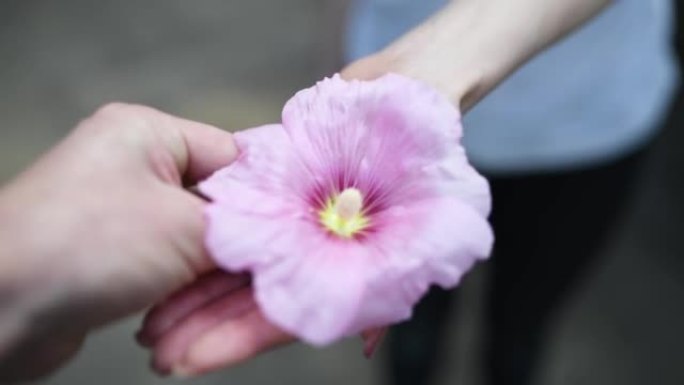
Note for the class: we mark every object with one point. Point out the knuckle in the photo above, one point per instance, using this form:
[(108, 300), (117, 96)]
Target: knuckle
[(119, 110), (117, 116)]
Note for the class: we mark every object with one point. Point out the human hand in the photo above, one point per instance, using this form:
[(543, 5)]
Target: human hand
[(470, 46), (102, 227), (212, 324)]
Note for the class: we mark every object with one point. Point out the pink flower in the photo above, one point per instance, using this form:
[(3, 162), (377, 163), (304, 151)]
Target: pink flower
[(347, 212)]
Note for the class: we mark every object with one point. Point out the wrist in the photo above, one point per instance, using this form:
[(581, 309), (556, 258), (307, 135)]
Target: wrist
[(13, 298), (443, 53), (463, 88), (26, 290), (13, 262)]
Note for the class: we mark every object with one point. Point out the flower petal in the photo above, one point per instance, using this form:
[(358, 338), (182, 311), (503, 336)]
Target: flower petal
[(395, 140), (255, 199), (327, 289), (393, 133), (445, 235), (238, 241), (266, 163), (317, 291)]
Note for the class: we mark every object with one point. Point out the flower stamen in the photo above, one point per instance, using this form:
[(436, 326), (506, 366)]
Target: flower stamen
[(343, 214), (349, 203)]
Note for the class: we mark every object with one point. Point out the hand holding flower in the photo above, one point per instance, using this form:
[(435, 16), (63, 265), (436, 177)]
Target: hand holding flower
[(344, 215), (102, 227)]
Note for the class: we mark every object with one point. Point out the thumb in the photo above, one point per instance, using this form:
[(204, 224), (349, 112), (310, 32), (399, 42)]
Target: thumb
[(368, 68), (205, 148), (196, 149)]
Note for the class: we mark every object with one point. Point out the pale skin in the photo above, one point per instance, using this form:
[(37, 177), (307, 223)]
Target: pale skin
[(103, 226)]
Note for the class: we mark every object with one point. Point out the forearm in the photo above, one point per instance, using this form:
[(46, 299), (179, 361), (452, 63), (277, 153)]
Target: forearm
[(472, 45)]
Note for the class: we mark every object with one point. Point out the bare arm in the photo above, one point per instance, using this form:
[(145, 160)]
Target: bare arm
[(472, 45)]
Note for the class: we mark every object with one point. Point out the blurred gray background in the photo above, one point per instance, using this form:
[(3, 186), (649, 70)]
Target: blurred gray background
[(233, 64)]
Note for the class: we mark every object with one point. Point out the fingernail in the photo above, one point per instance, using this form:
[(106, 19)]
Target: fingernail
[(181, 372), (372, 340), (143, 339), (212, 350)]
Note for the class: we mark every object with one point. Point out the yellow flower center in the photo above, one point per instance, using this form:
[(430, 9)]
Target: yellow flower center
[(343, 214)]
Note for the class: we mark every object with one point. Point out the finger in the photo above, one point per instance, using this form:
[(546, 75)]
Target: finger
[(208, 150), (197, 149), (233, 341), (206, 289), (39, 357), (171, 346), (372, 339), (368, 68)]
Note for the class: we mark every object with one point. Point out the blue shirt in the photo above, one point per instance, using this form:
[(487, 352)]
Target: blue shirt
[(595, 96)]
